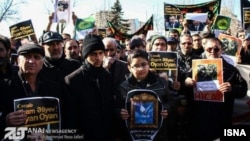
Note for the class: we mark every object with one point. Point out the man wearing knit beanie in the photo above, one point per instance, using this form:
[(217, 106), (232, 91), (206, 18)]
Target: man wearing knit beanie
[(158, 37), (91, 43), (89, 89), (159, 43)]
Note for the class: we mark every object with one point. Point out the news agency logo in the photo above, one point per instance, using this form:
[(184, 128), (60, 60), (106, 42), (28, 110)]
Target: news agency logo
[(234, 132), (15, 133)]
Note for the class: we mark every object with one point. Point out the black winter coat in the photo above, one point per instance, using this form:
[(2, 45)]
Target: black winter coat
[(17, 87), (56, 70), (209, 118), (89, 103)]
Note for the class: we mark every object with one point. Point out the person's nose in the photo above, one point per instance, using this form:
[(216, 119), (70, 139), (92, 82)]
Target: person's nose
[(31, 60)]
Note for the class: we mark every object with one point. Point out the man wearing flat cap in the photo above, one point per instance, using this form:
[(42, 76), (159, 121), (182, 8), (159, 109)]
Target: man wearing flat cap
[(90, 95), (27, 82)]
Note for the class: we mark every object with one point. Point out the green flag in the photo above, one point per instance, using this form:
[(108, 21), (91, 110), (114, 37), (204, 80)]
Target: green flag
[(222, 22), (84, 26), (87, 23)]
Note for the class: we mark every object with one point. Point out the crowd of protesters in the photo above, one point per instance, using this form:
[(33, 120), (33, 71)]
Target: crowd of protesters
[(92, 80)]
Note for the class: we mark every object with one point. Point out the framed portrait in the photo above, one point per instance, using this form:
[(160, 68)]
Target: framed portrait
[(144, 111), (144, 107)]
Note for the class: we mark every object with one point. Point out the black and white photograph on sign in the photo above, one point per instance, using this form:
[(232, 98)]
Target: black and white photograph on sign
[(207, 72), (62, 11)]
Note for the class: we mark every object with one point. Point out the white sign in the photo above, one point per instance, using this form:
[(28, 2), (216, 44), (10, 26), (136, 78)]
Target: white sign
[(202, 17)]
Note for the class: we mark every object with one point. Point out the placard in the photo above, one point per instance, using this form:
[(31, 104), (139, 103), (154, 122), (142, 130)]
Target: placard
[(232, 44), (164, 63), (144, 108), (208, 75), (22, 29), (63, 11), (43, 116)]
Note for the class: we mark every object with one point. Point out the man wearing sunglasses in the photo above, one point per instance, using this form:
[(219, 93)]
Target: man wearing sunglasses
[(210, 118)]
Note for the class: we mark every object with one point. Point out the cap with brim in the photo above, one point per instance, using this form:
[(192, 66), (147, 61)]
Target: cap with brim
[(30, 48), (49, 37), (172, 40)]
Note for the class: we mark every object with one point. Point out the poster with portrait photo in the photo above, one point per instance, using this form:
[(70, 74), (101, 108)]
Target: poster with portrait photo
[(231, 44), (172, 22), (208, 75), (246, 18), (173, 17), (62, 12), (144, 108)]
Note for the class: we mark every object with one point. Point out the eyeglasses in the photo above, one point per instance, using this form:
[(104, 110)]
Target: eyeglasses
[(160, 44), (214, 49), (188, 43), (138, 66), (109, 50), (241, 35)]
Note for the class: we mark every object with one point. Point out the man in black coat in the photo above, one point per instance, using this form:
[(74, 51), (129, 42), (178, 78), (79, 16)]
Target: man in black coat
[(27, 82), (215, 116), (196, 26), (56, 67), (116, 67), (172, 23), (90, 95), (6, 73)]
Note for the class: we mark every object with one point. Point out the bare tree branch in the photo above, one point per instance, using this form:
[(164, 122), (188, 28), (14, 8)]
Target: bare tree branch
[(9, 9)]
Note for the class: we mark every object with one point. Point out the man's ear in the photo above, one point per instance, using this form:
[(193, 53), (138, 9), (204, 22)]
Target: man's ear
[(129, 68), (18, 60)]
